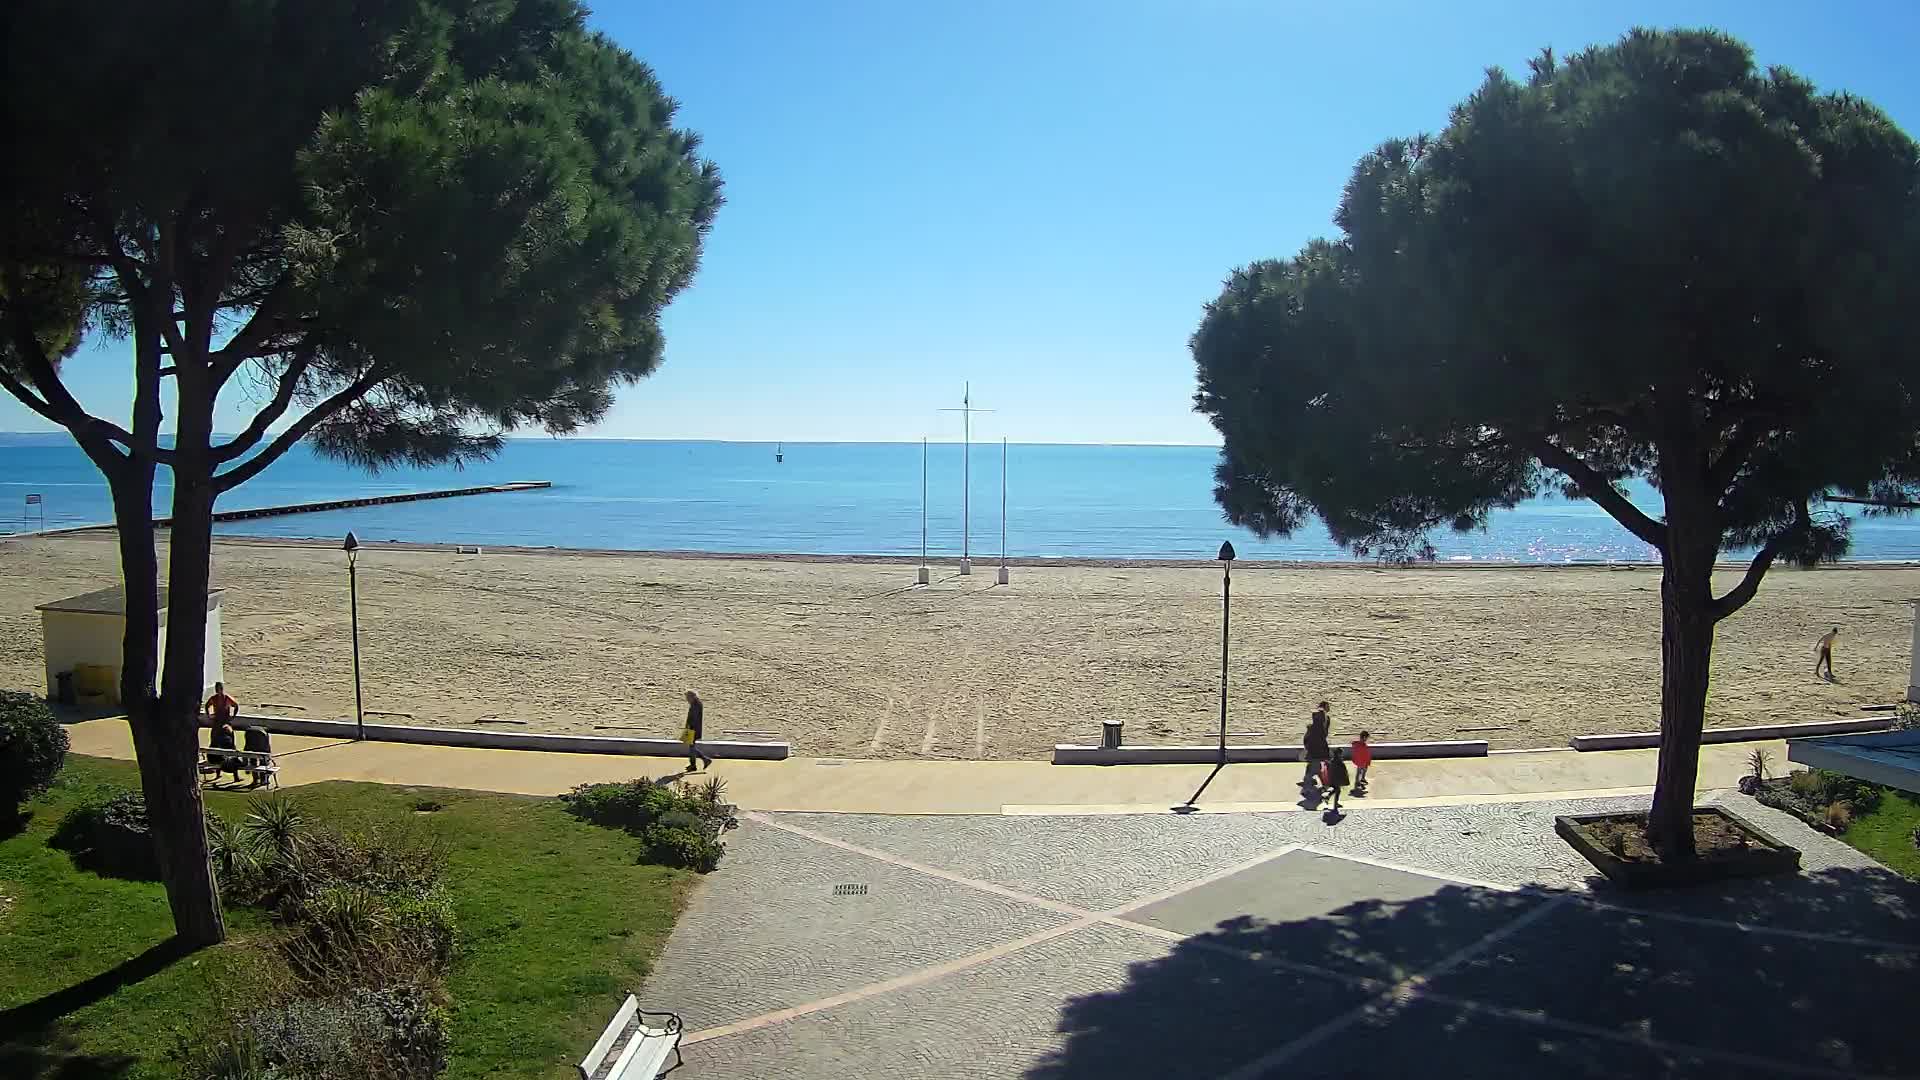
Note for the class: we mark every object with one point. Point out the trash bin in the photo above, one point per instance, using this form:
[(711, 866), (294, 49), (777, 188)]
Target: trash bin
[(65, 694), (1110, 734)]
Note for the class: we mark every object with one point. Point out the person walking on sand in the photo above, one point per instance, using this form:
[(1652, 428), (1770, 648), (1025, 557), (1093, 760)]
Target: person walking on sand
[(1336, 779), (1823, 654), (696, 728), (1316, 742), (1362, 754)]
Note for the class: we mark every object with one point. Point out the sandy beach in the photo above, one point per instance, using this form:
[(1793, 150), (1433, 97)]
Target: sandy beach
[(846, 658)]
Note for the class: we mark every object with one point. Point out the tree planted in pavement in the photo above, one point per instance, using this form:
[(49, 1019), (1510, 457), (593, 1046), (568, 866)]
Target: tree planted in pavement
[(1650, 260), (394, 228)]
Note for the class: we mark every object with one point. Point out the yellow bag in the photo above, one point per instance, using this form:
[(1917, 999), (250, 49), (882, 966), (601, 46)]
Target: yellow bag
[(686, 736)]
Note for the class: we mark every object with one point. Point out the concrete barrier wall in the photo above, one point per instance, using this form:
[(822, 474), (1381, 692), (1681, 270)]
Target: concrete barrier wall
[(516, 740), (1647, 740), (1067, 754)]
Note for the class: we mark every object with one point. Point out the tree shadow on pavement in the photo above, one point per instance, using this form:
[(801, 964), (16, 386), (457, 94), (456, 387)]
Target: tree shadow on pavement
[(1576, 990)]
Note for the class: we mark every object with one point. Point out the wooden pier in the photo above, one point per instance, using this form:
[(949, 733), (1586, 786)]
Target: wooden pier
[(371, 500)]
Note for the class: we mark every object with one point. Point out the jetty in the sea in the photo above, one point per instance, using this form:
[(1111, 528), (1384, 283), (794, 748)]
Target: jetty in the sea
[(370, 500)]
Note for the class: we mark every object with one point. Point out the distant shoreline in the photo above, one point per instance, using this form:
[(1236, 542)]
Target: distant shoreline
[(983, 563)]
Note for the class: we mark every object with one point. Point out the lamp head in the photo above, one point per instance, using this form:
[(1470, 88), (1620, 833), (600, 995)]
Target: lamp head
[(350, 546), (1226, 551)]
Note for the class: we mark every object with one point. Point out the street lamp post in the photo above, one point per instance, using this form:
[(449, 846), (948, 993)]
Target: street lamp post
[(352, 548), (1226, 615)]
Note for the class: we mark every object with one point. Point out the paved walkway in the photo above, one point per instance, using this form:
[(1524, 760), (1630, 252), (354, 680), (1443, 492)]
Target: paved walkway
[(1016, 919), (1436, 941), (978, 787)]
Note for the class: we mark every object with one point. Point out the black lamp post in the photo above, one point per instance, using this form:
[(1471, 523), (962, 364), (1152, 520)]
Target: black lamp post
[(352, 548), (1226, 614)]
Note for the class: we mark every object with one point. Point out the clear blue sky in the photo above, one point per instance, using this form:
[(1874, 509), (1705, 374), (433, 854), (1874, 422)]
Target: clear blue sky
[(1041, 196)]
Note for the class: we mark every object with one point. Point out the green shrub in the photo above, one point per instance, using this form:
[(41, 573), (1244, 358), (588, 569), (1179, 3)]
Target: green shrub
[(33, 746), (1808, 785), (632, 805), (397, 1033), (110, 838), (678, 824), (681, 846), (237, 863), (352, 935), (1860, 796)]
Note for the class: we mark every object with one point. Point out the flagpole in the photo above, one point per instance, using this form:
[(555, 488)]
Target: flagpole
[(1003, 510), (924, 576), (966, 480)]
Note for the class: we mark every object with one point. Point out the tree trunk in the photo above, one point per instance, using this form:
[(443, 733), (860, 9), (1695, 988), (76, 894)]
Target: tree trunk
[(163, 738), (1686, 652), (178, 813)]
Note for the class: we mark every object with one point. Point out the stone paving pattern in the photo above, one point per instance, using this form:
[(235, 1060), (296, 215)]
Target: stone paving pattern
[(1279, 969)]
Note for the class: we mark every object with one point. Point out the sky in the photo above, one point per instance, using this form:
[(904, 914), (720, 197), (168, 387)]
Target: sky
[(1039, 198)]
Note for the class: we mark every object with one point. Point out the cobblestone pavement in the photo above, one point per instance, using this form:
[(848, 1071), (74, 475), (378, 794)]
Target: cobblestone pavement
[(1455, 941)]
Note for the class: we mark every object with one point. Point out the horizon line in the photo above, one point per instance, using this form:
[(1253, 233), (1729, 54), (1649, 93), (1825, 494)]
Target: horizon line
[(756, 442)]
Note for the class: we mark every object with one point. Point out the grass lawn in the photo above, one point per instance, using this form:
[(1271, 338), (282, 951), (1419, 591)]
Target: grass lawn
[(556, 920), (1887, 833)]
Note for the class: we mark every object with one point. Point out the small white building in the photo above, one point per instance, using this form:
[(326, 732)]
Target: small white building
[(91, 629)]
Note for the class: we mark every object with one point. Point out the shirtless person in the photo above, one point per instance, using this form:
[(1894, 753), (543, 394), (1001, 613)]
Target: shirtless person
[(1824, 654)]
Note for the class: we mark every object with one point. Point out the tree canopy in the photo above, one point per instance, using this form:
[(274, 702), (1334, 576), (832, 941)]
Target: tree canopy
[(1650, 260), (427, 222), (1647, 260), (398, 228)]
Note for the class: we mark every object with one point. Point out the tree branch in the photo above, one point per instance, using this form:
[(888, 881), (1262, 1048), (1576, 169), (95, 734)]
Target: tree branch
[(260, 326), (27, 397), (58, 405), (283, 396), (1596, 487), (1737, 597), (1740, 446), (250, 468)]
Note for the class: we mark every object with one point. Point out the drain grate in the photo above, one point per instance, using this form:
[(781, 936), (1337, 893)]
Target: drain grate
[(849, 890)]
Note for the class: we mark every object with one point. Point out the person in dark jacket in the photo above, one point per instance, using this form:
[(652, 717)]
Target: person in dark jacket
[(1318, 729), (696, 716), (222, 739), (1336, 779)]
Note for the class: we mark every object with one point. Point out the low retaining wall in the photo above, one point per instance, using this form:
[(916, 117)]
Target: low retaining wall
[(1647, 740), (1067, 754), (516, 740)]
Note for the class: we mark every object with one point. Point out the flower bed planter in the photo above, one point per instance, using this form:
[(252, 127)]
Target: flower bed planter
[(1740, 849)]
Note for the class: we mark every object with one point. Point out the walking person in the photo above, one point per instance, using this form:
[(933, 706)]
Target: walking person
[(1316, 743), (1336, 779), (1362, 754), (1823, 654), (696, 728)]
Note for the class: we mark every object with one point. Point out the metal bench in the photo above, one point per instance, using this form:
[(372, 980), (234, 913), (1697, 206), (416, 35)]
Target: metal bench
[(634, 1046), (215, 760)]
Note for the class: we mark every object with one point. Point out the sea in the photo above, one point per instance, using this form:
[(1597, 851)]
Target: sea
[(1057, 501)]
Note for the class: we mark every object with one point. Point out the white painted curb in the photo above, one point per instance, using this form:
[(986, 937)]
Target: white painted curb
[(1068, 754), (1647, 740), (517, 740)]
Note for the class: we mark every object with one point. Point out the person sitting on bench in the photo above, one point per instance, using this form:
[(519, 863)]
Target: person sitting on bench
[(222, 739), (257, 742)]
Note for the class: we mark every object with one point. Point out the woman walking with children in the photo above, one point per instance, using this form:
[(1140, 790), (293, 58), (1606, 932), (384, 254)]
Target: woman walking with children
[(1327, 768)]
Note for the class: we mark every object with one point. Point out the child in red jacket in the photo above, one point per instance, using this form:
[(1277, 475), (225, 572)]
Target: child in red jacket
[(1362, 756)]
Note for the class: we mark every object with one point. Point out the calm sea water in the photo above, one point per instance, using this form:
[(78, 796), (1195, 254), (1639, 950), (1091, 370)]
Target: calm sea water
[(848, 498)]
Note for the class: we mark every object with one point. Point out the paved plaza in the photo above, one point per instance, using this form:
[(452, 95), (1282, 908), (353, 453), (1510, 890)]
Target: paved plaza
[(1434, 941)]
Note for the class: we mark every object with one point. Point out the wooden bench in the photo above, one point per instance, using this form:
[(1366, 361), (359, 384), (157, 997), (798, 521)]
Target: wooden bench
[(215, 760), (634, 1047)]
